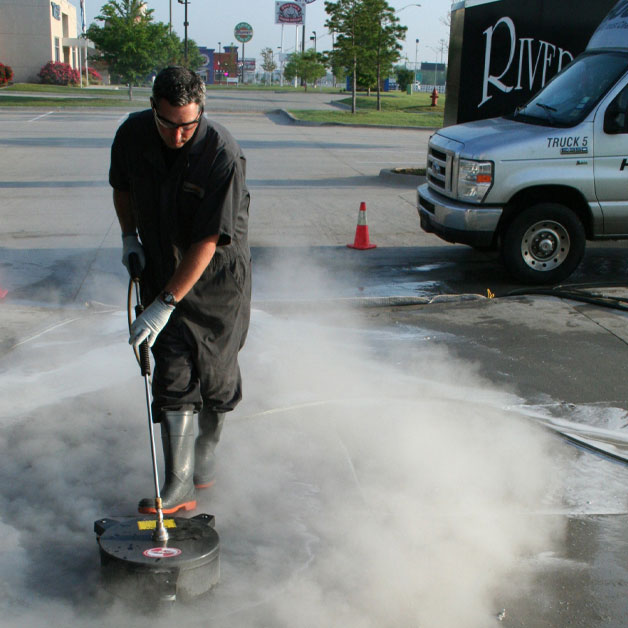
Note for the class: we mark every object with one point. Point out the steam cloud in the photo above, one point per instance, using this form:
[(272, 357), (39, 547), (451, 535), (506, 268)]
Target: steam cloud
[(369, 479)]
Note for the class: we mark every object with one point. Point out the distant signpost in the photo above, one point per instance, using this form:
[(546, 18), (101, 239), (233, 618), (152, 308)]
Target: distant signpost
[(243, 32)]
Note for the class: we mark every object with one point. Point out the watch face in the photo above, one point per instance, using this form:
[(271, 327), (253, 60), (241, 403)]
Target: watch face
[(168, 298)]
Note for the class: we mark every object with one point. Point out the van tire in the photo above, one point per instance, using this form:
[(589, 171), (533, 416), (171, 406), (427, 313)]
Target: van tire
[(544, 244)]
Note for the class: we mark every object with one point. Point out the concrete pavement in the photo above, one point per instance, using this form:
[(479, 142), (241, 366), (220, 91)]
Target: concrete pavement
[(63, 345), (231, 99)]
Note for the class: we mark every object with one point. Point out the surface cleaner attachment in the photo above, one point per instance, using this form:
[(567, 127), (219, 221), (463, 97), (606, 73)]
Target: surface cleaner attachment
[(136, 566), (151, 558)]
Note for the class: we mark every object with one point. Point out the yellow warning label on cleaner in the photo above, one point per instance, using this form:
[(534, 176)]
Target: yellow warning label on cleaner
[(152, 524)]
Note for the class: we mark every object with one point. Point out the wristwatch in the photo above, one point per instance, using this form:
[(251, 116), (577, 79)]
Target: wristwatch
[(169, 299)]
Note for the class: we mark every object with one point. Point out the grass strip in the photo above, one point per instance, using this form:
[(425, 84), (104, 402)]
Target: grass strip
[(37, 88), (274, 88), (414, 110), (396, 101), (110, 91), (430, 120), (52, 103)]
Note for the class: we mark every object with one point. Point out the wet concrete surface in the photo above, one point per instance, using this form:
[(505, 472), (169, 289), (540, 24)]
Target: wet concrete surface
[(565, 362), (346, 360), (368, 448), (427, 270), (584, 585)]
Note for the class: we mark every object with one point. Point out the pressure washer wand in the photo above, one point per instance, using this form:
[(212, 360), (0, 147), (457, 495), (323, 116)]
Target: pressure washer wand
[(161, 534)]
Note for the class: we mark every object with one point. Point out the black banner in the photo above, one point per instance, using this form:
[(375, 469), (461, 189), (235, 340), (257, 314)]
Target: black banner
[(502, 52)]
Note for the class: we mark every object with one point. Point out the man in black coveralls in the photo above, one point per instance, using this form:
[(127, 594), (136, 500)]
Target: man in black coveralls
[(179, 182)]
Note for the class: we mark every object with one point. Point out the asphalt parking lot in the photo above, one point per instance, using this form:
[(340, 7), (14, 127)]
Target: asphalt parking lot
[(505, 418)]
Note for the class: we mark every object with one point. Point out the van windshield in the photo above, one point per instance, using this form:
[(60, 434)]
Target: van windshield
[(572, 94)]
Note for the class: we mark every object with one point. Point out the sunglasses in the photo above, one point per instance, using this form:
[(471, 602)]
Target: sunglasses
[(167, 124)]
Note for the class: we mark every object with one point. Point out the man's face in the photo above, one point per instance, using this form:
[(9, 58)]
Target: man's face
[(176, 125)]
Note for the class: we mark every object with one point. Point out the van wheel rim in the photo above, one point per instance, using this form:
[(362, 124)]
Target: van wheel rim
[(545, 245)]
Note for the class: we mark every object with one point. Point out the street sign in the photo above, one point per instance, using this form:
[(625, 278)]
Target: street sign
[(289, 12), (243, 32)]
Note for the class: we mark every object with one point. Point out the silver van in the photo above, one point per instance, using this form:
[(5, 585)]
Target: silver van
[(538, 183)]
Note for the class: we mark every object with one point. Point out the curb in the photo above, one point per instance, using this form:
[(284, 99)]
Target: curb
[(288, 116), (390, 175)]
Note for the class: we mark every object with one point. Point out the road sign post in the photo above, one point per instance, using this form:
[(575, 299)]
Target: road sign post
[(243, 32)]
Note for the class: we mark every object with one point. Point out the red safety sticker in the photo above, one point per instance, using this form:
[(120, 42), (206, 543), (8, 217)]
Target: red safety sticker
[(161, 552)]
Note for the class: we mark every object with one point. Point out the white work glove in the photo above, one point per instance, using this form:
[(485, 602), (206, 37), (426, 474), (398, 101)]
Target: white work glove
[(150, 322), (130, 244)]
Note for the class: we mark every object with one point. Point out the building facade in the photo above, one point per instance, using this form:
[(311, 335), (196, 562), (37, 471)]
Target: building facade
[(219, 67), (34, 32)]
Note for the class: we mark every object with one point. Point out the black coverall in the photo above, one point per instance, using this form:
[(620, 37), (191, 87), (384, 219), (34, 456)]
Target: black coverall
[(179, 198)]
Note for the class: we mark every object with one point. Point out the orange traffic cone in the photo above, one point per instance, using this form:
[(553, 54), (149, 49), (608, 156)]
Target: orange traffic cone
[(361, 231)]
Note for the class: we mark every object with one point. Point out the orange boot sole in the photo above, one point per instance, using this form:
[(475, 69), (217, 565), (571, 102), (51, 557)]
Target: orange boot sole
[(206, 485), (147, 510)]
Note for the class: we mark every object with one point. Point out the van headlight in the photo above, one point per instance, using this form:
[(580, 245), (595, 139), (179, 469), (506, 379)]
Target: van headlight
[(475, 179)]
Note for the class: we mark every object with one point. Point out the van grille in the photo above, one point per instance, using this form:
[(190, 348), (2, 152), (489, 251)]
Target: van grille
[(439, 169)]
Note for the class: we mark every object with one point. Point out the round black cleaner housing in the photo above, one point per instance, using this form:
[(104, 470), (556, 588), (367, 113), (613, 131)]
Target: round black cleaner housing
[(184, 566)]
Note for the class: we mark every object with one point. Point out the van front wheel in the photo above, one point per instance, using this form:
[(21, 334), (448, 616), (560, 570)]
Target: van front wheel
[(544, 244)]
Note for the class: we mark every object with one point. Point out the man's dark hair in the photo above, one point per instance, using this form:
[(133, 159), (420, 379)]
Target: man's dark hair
[(179, 86)]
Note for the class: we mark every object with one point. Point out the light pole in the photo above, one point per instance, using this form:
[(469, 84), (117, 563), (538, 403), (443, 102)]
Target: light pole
[(443, 45), (219, 64), (436, 50), (399, 11), (280, 59), (242, 63), (407, 5), (314, 38), (185, 26), (416, 59)]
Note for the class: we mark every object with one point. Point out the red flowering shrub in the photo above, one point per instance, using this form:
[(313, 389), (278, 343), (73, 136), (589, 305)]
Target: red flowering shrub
[(95, 77), (6, 74), (57, 73)]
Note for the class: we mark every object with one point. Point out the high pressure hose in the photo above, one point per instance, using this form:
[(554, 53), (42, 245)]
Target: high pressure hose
[(129, 307), (575, 294)]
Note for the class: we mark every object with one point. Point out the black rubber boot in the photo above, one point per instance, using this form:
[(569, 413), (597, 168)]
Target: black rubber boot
[(177, 436), (209, 428)]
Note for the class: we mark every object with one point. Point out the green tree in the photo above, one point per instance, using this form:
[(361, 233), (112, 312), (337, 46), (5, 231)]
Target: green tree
[(268, 62), (343, 20), (367, 42), (174, 54), (307, 65), (383, 31), (405, 77), (338, 70), (133, 46)]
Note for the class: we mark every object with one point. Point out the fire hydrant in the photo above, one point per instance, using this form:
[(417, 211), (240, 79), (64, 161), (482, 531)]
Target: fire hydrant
[(434, 97)]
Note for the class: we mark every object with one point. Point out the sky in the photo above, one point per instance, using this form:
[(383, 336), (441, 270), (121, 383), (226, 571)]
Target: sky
[(214, 22)]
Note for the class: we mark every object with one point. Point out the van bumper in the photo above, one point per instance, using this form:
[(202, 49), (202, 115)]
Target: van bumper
[(457, 222)]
